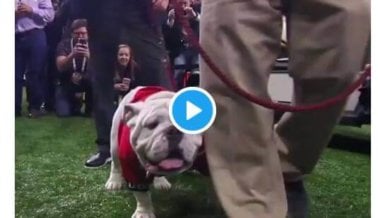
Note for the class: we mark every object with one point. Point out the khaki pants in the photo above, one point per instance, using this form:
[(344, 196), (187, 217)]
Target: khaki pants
[(247, 158)]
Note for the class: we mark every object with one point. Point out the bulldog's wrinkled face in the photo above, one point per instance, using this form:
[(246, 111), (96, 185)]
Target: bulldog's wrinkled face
[(160, 147)]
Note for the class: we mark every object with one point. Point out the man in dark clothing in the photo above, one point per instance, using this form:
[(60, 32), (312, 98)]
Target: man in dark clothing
[(72, 55), (53, 32), (110, 23), (68, 11)]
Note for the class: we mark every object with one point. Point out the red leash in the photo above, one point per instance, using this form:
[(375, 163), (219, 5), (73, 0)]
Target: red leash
[(193, 40)]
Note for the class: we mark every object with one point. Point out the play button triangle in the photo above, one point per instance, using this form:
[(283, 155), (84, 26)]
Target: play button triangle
[(192, 110)]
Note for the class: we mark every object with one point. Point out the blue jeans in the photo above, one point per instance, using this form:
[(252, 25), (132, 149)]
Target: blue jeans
[(30, 51), (186, 61), (66, 104)]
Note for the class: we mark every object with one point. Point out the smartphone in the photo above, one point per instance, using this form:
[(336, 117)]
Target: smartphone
[(82, 41)]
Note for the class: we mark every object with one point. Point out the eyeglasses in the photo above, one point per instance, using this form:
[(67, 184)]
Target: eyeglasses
[(80, 33)]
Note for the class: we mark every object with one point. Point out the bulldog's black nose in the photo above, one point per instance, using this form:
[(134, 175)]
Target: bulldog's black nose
[(175, 152), (174, 138), (172, 131)]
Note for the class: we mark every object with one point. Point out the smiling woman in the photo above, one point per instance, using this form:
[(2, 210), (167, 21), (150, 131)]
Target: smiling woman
[(126, 70)]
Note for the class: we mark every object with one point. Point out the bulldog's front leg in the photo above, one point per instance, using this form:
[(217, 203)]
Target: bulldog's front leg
[(116, 180), (161, 183), (144, 205)]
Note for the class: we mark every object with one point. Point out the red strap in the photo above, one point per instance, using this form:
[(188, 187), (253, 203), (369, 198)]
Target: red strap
[(193, 40)]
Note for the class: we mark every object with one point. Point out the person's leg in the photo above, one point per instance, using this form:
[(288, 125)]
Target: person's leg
[(36, 66), (240, 146), (88, 97), (194, 60), (103, 30), (62, 105), (76, 101), (49, 92), (327, 41), (180, 72), (76, 98), (191, 59), (101, 70), (323, 62), (20, 66)]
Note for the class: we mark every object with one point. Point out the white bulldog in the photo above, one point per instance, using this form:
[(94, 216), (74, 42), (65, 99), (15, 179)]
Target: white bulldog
[(145, 144)]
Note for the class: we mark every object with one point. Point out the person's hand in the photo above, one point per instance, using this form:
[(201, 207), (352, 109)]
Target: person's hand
[(160, 5), (171, 18), (23, 10), (189, 13), (122, 87), (80, 50), (171, 14), (76, 78)]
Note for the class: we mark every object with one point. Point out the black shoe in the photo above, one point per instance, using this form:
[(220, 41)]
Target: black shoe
[(297, 200), (34, 113), (97, 160)]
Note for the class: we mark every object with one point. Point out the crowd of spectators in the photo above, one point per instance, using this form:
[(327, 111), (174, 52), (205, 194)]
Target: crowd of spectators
[(79, 57), (53, 51)]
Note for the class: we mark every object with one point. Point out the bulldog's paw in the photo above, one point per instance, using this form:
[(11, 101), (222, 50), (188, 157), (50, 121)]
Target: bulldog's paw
[(115, 182), (143, 214), (161, 183)]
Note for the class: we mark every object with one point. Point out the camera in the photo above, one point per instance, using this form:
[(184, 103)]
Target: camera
[(80, 63), (82, 41)]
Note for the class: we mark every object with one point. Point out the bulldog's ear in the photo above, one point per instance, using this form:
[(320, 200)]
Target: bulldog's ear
[(131, 110)]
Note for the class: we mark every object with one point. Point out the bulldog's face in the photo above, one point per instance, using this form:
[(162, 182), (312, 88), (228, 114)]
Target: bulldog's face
[(160, 147)]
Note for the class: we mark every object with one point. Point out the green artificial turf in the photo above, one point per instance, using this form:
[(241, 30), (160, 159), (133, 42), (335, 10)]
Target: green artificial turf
[(52, 182), (362, 132)]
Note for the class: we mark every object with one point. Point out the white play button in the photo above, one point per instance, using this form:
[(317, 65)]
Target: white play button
[(192, 110)]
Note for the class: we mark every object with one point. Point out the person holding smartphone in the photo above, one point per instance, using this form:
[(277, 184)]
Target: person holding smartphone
[(74, 84), (125, 71)]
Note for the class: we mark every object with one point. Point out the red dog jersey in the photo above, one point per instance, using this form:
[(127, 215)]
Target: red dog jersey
[(132, 171)]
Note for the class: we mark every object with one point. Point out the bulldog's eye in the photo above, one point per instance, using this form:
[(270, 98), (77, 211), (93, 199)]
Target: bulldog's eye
[(152, 125)]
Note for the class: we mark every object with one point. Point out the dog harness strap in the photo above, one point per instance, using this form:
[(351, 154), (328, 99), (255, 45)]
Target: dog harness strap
[(143, 93), (132, 171)]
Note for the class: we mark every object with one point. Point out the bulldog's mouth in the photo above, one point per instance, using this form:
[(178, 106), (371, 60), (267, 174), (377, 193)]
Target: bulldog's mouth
[(167, 165)]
